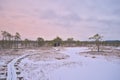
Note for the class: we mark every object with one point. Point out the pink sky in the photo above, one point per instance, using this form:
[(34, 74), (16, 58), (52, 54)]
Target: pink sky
[(51, 18)]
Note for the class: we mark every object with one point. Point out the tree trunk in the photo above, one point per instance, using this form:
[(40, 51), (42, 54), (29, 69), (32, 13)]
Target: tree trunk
[(98, 46)]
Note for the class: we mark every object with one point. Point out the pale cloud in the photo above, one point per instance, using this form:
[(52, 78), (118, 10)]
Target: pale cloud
[(65, 18)]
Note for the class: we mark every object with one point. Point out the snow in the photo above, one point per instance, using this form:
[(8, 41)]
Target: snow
[(75, 67), (91, 69), (11, 68), (2, 63), (72, 52), (118, 48)]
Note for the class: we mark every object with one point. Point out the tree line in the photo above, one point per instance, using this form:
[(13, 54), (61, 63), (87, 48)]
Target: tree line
[(10, 41), (14, 41)]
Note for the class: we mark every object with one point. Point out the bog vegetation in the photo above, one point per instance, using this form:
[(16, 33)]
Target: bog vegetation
[(15, 41)]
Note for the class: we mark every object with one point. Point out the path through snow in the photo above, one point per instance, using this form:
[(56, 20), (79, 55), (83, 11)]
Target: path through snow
[(97, 68), (11, 68)]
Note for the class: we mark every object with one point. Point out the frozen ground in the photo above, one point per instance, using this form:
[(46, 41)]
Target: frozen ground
[(70, 63)]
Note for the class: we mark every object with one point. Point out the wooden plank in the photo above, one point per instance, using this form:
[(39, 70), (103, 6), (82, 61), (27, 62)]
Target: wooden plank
[(5, 66), (17, 71), (1, 72), (3, 77), (20, 77)]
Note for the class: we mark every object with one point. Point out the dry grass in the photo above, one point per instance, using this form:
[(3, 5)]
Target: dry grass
[(93, 57), (47, 54), (114, 52)]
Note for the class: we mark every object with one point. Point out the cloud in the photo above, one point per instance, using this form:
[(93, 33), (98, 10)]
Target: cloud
[(59, 19), (50, 18)]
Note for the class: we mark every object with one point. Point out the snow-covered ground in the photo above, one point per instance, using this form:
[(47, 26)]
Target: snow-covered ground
[(74, 67), (90, 68), (69, 63)]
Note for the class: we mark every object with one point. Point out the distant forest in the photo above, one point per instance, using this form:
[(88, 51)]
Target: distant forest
[(14, 41)]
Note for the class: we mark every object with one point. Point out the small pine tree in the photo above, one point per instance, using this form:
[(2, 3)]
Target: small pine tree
[(97, 38)]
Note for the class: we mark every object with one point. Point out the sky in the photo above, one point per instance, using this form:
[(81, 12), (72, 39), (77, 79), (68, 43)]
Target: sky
[(48, 19)]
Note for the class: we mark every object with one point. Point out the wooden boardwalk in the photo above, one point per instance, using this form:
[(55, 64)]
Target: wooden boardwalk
[(12, 71), (5, 73)]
